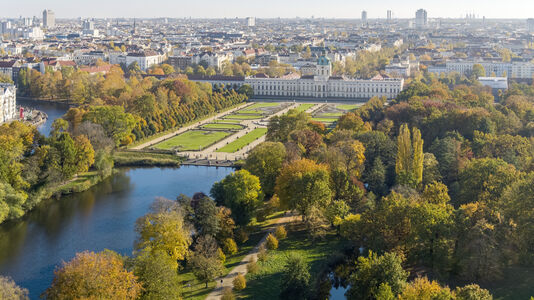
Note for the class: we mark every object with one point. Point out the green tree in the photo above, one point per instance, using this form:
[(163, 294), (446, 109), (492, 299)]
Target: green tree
[(472, 292), (374, 270), (281, 126), (303, 184), (241, 192), (409, 163), (478, 71), (158, 275), (205, 261), (265, 161), (295, 278), (116, 123)]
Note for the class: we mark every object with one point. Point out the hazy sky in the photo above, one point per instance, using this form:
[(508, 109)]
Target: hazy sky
[(267, 8)]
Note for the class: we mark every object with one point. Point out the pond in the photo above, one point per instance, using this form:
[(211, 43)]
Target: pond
[(101, 218)]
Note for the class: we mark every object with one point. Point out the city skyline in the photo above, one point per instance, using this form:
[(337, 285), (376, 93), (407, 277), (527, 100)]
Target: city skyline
[(277, 8)]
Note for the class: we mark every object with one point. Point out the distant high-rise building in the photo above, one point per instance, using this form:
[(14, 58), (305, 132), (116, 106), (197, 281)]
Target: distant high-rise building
[(421, 19), (49, 18), (364, 17), (251, 21), (88, 25), (530, 25), (390, 15)]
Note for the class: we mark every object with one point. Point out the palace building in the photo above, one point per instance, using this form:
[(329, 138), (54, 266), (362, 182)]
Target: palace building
[(321, 85)]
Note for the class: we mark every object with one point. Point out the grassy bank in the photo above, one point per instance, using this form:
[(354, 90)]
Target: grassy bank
[(145, 159), (244, 140), (266, 284)]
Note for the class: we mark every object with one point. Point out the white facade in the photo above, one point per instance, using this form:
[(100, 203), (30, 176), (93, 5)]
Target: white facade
[(143, 60), (323, 85), (49, 19), (516, 70), (8, 102), (496, 83), (421, 19), (530, 25), (34, 33), (251, 21)]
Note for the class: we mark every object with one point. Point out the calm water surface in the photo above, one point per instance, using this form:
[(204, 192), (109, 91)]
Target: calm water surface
[(53, 110), (100, 218)]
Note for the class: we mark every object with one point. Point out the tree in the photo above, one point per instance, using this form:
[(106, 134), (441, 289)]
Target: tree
[(271, 242), (472, 292), (303, 184), (205, 261), (265, 161), (240, 283), (116, 123), (374, 270), (485, 180), (92, 275), (163, 229), (409, 164), (350, 121), (10, 290), (281, 126), (241, 192), (158, 275), (478, 71), (295, 278), (423, 289)]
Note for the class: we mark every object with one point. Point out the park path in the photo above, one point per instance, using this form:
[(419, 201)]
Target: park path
[(211, 152), (227, 281), (194, 125)]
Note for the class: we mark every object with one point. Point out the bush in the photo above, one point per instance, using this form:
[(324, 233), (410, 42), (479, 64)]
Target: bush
[(241, 236), (230, 247), (240, 282), (221, 255), (261, 215), (272, 242), (262, 253), (228, 294), (252, 267), (280, 232)]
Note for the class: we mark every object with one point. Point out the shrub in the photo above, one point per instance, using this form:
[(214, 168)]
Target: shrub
[(221, 255), (240, 282), (228, 294), (280, 232), (262, 253), (261, 215), (230, 247), (252, 267), (272, 242), (241, 236)]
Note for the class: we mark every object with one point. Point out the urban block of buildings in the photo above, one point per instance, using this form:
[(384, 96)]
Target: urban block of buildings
[(8, 98)]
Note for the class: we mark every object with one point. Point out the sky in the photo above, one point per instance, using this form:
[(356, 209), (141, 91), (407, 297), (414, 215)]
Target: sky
[(266, 8)]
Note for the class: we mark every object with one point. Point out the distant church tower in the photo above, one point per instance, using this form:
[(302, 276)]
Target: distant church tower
[(324, 67)]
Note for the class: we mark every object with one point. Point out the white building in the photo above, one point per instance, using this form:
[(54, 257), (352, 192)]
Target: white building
[(8, 102), (364, 17), (251, 21), (323, 85), (516, 69), (144, 59), (34, 33), (530, 25), (49, 18), (421, 19), (496, 83), (214, 60)]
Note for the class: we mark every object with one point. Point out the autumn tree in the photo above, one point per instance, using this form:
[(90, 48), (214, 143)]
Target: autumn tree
[(409, 164), (205, 261), (92, 275), (157, 273), (163, 229), (10, 290), (303, 184), (241, 192), (265, 161), (295, 278)]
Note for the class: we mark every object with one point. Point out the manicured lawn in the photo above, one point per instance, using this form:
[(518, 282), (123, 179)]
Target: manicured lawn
[(332, 114), (244, 117), (349, 106), (244, 140), (256, 112), (192, 140), (261, 105), (266, 283), (226, 121), (131, 158), (304, 107), (325, 120), (222, 126)]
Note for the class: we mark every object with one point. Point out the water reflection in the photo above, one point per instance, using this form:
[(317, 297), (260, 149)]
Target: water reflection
[(102, 217), (54, 110)]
